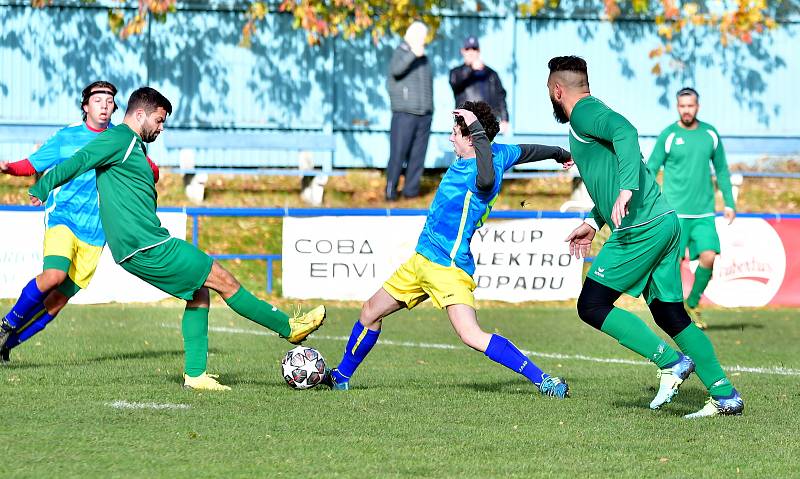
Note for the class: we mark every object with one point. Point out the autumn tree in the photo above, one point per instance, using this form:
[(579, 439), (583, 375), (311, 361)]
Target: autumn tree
[(732, 20)]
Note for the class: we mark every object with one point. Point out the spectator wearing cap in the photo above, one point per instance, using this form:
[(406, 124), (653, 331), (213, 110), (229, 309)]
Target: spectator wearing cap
[(410, 86), (474, 81)]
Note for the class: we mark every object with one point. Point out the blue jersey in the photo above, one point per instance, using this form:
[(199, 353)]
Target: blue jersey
[(73, 204), (460, 208)]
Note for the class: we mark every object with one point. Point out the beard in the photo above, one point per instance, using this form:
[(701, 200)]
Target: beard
[(558, 112), (688, 122), (149, 136)]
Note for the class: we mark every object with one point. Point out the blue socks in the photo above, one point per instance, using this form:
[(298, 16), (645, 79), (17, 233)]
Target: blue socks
[(36, 326), (503, 351), (30, 298), (358, 346)]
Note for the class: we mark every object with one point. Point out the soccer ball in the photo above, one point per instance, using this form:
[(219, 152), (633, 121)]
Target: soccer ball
[(303, 367)]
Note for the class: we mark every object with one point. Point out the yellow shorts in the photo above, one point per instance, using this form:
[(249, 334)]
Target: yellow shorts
[(65, 252), (420, 278)]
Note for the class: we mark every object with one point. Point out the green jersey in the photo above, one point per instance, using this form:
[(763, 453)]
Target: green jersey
[(125, 185), (605, 148), (687, 156)]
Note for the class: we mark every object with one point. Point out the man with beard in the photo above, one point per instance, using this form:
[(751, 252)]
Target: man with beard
[(687, 149), (641, 255), (144, 248)]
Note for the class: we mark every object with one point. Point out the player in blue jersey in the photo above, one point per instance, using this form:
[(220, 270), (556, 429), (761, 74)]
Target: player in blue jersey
[(74, 236), (442, 267)]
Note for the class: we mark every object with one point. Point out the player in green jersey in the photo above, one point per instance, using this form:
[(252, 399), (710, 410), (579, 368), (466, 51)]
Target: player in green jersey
[(138, 242), (687, 149), (641, 255)]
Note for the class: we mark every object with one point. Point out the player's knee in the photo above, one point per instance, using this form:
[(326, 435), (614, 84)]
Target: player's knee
[(222, 280), (593, 309), (707, 259), (200, 299), (672, 318), (50, 278), (474, 338), (369, 314)]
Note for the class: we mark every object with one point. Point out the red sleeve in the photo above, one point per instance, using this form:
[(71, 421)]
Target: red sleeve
[(21, 168), (153, 167)]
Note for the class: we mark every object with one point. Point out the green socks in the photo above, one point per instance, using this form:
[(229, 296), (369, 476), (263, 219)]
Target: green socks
[(701, 278), (634, 334), (695, 344), (261, 312), (195, 340)]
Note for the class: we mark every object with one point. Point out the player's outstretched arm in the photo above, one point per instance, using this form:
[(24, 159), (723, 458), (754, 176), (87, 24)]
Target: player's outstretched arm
[(533, 152), (17, 168), (99, 152)]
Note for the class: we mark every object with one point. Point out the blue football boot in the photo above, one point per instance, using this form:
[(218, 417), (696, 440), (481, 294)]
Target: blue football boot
[(554, 387), (329, 379), (731, 405)]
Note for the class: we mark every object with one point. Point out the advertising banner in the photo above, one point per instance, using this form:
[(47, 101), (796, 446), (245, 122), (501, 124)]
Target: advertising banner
[(350, 257), (759, 264), (21, 260)]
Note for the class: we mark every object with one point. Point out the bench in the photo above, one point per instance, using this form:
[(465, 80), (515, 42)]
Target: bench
[(303, 143)]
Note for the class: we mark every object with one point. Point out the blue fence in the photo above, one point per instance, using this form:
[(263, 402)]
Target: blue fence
[(337, 89)]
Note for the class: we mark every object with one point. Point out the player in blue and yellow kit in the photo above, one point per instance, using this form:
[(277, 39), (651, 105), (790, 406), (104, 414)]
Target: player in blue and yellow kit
[(74, 236), (442, 267)]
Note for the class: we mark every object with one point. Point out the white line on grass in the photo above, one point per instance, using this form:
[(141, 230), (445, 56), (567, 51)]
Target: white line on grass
[(145, 405), (776, 370)]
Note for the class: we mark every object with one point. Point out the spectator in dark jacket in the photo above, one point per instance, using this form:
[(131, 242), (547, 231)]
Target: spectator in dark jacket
[(474, 81), (410, 86)]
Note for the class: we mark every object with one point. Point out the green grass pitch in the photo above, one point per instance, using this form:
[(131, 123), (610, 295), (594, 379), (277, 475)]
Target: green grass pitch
[(422, 405)]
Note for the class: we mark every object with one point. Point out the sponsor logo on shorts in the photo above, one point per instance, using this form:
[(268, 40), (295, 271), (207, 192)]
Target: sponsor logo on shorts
[(450, 295), (599, 272)]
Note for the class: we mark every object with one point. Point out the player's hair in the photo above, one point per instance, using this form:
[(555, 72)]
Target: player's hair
[(486, 118), (686, 91), (98, 87), (148, 99), (573, 64)]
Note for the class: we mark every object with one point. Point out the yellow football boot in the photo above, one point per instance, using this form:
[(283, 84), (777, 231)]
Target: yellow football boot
[(303, 325), (204, 382)]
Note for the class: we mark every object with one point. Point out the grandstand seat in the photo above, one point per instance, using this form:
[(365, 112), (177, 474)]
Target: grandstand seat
[(189, 142)]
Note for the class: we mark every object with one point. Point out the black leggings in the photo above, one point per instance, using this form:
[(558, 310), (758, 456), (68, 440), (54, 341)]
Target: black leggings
[(597, 300)]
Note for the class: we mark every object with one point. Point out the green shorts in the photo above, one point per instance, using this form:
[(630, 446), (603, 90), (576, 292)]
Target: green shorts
[(643, 260), (699, 234), (175, 267)]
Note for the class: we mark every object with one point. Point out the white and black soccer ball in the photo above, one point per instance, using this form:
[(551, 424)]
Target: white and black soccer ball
[(303, 367)]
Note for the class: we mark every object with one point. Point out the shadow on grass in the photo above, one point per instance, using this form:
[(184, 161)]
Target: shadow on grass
[(690, 400), (504, 387), (122, 356), (733, 327)]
